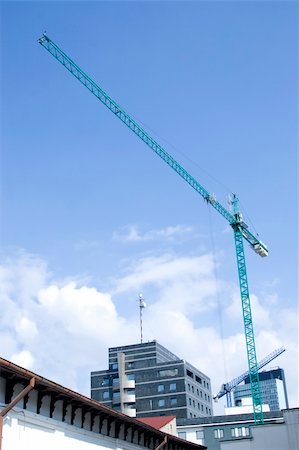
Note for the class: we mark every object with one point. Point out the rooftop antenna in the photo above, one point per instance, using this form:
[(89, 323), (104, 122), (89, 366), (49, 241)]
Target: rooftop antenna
[(142, 305)]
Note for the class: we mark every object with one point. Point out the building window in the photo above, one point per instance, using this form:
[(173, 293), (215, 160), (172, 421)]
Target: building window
[(190, 401), (172, 387), (204, 383), (240, 431), (197, 391), (189, 373), (115, 380), (193, 404), (198, 379), (161, 402), (173, 401), (114, 366), (218, 434), (206, 410), (202, 407), (131, 376), (192, 387), (201, 394), (182, 434), (189, 387), (205, 396), (106, 395), (105, 382), (131, 365), (168, 373), (208, 398), (207, 385), (199, 434), (160, 387)]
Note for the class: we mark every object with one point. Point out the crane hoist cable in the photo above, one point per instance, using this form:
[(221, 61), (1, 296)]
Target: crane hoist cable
[(219, 304)]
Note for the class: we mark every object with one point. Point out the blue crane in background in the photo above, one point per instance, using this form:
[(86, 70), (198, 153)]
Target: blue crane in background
[(227, 388), (235, 219)]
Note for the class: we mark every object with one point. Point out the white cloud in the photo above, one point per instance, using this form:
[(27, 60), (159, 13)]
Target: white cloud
[(80, 309), (23, 358), (63, 330), (131, 233), (260, 314), (164, 269), (26, 329)]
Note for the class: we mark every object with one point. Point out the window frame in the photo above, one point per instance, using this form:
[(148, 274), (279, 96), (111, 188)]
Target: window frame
[(106, 395), (218, 433), (200, 434), (161, 402)]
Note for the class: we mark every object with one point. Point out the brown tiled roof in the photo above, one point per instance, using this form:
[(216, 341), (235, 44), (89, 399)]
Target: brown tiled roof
[(157, 422)]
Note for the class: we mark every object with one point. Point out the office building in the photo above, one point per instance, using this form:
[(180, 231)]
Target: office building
[(273, 389), (146, 379)]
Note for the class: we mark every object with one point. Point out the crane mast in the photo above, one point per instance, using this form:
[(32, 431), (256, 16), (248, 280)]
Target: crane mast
[(235, 220)]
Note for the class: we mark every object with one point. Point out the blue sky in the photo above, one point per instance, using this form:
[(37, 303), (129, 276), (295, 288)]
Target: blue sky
[(91, 215)]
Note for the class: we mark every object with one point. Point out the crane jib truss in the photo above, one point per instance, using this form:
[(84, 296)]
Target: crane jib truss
[(235, 220), (226, 388)]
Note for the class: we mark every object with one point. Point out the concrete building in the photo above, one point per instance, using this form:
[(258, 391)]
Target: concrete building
[(145, 380), (238, 432), (37, 413), (273, 389)]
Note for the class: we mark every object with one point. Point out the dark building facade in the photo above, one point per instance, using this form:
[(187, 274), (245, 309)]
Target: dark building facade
[(273, 389), (148, 380)]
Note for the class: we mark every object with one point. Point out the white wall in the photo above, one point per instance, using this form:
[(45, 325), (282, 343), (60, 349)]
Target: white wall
[(170, 428), (25, 430)]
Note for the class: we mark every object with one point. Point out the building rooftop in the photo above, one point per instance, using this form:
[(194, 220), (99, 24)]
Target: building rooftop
[(227, 418), (157, 422)]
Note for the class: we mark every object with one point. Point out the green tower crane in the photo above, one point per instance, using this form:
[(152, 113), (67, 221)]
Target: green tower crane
[(235, 219)]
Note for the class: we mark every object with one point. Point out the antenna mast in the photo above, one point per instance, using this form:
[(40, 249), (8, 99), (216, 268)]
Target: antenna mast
[(142, 305)]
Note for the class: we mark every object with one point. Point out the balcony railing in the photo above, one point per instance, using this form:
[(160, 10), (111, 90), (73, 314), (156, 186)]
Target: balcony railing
[(128, 384), (131, 412), (129, 398)]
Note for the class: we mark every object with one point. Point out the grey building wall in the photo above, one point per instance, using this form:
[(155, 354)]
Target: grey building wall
[(213, 432), (272, 436), (164, 384)]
